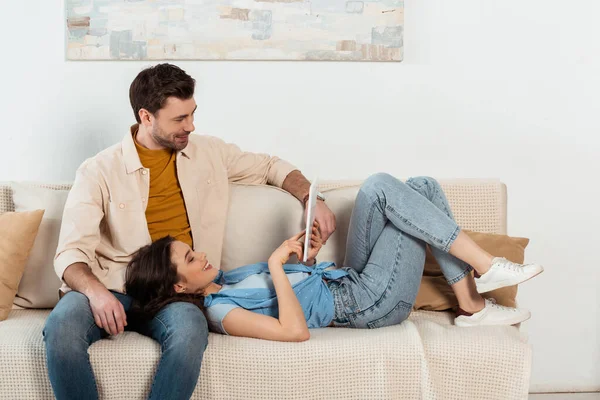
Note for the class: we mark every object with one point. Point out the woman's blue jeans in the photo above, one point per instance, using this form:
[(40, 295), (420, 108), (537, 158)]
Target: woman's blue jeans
[(390, 226)]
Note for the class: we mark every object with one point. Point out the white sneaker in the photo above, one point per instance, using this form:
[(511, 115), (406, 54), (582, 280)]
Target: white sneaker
[(504, 273), (493, 314)]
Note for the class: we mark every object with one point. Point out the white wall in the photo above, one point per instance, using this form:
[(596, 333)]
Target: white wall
[(488, 88)]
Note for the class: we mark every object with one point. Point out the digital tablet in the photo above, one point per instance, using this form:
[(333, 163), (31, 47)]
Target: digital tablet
[(310, 217)]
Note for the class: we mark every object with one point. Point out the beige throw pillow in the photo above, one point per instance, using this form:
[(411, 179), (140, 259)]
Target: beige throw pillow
[(39, 285), (17, 234)]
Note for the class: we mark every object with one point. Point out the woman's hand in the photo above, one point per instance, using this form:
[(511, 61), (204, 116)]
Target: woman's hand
[(287, 248), (316, 242), (291, 324)]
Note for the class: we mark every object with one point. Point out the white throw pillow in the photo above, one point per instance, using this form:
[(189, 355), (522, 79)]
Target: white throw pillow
[(39, 285), (261, 217)]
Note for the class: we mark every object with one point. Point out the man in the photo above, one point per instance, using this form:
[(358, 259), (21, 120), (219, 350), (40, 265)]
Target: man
[(158, 181)]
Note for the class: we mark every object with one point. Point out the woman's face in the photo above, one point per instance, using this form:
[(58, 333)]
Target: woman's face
[(194, 271)]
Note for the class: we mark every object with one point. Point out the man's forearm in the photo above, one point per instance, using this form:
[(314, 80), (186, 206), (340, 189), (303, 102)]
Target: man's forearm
[(296, 184), (80, 278)]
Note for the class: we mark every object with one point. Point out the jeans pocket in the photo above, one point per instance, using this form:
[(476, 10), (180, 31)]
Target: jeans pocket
[(350, 305), (341, 323), (394, 317), (344, 303)]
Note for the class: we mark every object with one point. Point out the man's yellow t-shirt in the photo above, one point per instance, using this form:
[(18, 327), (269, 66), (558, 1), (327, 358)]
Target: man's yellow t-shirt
[(166, 213)]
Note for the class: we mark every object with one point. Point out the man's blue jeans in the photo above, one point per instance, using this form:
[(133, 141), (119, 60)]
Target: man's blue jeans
[(180, 329)]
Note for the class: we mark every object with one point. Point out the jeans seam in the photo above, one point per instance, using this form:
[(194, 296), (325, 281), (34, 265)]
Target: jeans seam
[(161, 322), (87, 333), (468, 269), (411, 182), (163, 345), (387, 287), (368, 228), (436, 193), (460, 276), (340, 318), (407, 222), (401, 304), (437, 189), (88, 362), (353, 303), (451, 240)]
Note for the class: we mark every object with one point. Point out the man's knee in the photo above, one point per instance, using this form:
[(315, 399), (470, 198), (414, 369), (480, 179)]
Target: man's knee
[(188, 329), (68, 325)]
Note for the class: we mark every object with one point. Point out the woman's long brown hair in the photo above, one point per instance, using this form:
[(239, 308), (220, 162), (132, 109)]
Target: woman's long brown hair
[(150, 280)]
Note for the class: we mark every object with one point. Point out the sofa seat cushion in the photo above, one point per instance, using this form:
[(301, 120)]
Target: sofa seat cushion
[(492, 362), (426, 357)]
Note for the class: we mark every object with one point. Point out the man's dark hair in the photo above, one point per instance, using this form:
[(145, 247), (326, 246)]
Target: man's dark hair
[(153, 86)]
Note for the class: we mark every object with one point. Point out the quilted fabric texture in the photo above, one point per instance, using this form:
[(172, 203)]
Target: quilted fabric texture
[(424, 358), (6, 201), (478, 205)]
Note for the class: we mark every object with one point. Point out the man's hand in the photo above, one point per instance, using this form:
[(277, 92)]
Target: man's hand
[(109, 313), (325, 218), (298, 186)]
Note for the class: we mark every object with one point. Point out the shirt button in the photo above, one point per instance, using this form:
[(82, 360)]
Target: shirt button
[(121, 206), (144, 172), (143, 200), (208, 181)]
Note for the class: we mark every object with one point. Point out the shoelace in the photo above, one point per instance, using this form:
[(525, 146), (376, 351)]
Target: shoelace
[(498, 306), (510, 265)]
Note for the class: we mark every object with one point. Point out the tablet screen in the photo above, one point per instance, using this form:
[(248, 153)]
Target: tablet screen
[(310, 217)]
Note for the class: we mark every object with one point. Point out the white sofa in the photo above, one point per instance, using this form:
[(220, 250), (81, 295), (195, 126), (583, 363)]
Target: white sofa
[(425, 357)]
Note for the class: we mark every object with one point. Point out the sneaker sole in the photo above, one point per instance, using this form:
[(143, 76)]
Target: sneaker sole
[(509, 322), (501, 284)]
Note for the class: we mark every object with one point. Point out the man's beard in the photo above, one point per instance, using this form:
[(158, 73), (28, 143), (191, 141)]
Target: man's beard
[(162, 139)]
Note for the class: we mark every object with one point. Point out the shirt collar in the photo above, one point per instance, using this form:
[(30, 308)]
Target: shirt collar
[(130, 154)]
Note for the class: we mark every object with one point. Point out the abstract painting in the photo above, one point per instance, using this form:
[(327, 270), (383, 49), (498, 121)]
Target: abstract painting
[(334, 30)]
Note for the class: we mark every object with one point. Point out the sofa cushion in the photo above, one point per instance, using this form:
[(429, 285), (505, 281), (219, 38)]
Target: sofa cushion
[(260, 218), (425, 357), (39, 285), (436, 295), (17, 234)]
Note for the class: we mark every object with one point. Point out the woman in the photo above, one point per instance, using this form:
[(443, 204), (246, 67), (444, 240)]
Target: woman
[(390, 226)]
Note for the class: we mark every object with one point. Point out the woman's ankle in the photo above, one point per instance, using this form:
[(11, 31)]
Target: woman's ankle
[(472, 305)]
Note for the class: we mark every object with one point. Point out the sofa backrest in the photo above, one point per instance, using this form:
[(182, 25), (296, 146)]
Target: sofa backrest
[(260, 217)]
